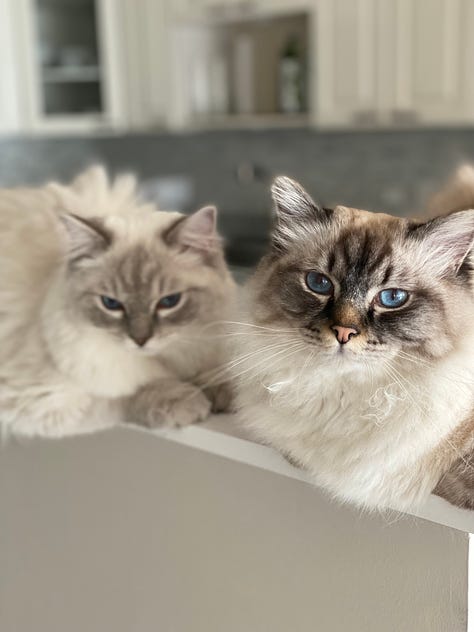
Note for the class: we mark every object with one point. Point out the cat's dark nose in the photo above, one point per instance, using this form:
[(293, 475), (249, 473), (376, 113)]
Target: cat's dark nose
[(140, 340), (344, 334)]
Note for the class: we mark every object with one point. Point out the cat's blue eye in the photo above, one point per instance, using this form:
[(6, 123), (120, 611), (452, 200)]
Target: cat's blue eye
[(393, 297), (111, 303), (169, 301), (319, 283)]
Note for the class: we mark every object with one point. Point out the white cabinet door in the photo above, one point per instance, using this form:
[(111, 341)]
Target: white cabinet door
[(144, 72), (113, 54), (434, 54), (393, 62), (11, 113), (344, 63), (18, 83)]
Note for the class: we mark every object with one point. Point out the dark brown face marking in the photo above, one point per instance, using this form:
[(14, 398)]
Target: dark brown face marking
[(361, 253)]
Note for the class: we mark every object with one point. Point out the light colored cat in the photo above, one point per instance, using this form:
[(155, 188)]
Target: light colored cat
[(357, 359), (106, 309)]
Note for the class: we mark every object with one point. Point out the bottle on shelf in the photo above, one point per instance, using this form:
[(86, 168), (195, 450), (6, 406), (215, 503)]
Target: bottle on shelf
[(291, 78)]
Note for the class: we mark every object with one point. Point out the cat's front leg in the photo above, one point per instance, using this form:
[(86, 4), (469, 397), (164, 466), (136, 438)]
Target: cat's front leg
[(54, 412), (167, 403)]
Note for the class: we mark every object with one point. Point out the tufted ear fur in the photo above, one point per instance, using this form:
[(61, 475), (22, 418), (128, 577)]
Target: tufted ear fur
[(85, 239), (295, 211), (196, 232), (446, 241)]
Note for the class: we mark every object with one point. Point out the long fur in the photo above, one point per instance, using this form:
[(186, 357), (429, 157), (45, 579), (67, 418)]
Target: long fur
[(65, 365), (378, 421)]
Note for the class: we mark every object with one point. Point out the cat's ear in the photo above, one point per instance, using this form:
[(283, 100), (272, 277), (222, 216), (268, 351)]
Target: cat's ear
[(446, 242), (85, 238), (294, 209), (195, 232)]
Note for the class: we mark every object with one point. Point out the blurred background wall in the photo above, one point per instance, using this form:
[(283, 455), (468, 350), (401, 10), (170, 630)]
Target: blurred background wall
[(368, 103), (381, 171)]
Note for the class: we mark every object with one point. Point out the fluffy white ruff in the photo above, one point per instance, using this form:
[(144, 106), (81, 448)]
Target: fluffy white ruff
[(366, 436)]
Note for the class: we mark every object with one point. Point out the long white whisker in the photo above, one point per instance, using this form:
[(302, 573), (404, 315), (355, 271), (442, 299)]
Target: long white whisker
[(292, 349), (225, 369), (235, 322)]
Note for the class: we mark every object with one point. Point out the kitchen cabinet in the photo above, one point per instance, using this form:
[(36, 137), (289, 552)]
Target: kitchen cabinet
[(82, 66), (202, 530), (10, 104), (369, 64), (431, 55), (63, 65), (344, 85), (226, 59), (148, 64), (145, 70), (393, 62)]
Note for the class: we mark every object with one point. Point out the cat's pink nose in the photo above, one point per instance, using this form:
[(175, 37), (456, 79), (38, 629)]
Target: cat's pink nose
[(344, 334)]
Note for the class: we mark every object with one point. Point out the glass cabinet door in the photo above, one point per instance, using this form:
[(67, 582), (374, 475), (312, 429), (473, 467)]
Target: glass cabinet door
[(68, 58)]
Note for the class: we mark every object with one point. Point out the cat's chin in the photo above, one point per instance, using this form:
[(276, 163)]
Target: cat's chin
[(347, 361), (149, 352), (346, 364)]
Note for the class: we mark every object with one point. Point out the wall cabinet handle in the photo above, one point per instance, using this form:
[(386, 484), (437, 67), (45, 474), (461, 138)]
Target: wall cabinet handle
[(367, 117), (404, 116)]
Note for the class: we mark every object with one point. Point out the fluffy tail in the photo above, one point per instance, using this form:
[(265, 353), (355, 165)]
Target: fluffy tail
[(457, 195)]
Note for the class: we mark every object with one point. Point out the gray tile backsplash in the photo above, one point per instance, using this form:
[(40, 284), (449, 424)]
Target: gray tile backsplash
[(389, 171)]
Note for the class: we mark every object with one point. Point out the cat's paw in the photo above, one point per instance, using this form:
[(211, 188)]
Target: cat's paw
[(221, 397), (157, 405), (192, 408)]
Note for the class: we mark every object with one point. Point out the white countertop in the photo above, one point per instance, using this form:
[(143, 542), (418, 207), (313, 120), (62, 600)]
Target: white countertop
[(221, 435)]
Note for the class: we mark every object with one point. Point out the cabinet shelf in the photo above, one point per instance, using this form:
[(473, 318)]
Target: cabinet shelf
[(240, 121), (71, 74)]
